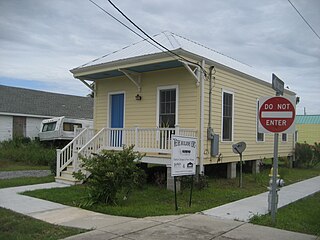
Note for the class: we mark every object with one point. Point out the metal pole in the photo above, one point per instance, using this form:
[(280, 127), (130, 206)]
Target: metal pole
[(274, 178), (240, 177), (175, 193), (191, 188), (274, 175)]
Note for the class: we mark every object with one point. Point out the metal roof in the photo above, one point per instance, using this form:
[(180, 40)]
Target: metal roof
[(23, 101), (308, 119), (174, 43)]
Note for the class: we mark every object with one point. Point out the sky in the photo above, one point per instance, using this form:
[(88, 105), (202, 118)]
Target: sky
[(41, 40)]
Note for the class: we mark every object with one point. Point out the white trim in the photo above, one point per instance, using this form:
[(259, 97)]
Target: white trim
[(232, 128), (25, 115), (109, 107), (176, 87), (202, 89), (257, 123), (295, 137)]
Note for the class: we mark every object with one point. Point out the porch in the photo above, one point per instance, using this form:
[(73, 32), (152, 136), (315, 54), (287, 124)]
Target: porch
[(154, 142)]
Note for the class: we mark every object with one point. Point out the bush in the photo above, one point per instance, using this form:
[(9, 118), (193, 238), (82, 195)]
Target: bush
[(307, 155), (30, 152), (112, 173), (316, 152)]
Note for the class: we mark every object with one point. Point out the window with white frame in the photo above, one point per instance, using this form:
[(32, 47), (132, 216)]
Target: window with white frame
[(296, 136), (167, 107), (260, 136), (227, 116), (284, 137)]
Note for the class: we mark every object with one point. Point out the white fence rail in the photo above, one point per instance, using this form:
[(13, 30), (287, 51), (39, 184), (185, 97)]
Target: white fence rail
[(157, 140), (68, 154), (146, 140)]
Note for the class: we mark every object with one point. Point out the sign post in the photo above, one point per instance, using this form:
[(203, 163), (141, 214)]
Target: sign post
[(239, 148), (276, 115), (183, 160)]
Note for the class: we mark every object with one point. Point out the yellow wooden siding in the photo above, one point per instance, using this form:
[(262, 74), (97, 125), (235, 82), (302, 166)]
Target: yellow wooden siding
[(143, 113), (309, 133), (246, 92)]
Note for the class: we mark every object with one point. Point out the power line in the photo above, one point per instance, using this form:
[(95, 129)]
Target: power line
[(105, 11), (304, 19), (173, 53)]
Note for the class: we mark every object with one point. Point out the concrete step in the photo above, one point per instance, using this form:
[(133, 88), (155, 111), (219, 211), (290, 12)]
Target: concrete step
[(67, 174), (70, 168), (67, 181)]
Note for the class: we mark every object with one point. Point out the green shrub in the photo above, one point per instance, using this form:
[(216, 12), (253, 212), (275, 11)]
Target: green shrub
[(316, 152), (30, 152), (112, 173), (307, 155)]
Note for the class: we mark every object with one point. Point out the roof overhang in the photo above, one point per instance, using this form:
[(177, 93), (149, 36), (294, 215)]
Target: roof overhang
[(140, 64), (154, 62)]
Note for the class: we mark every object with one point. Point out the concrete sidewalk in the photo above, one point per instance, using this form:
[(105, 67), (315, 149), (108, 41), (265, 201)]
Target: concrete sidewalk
[(246, 208), (193, 226)]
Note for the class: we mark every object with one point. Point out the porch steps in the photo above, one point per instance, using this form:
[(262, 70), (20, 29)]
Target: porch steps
[(67, 177)]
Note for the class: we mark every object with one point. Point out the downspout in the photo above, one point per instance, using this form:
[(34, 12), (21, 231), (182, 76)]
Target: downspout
[(210, 99), (202, 118)]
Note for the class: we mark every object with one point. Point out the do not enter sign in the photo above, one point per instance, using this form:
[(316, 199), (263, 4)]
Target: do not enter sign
[(276, 114)]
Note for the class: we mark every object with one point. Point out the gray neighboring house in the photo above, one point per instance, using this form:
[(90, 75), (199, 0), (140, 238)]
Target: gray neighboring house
[(22, 110)]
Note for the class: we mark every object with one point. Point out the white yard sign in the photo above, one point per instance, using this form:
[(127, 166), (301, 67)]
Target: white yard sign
[(184, 156)]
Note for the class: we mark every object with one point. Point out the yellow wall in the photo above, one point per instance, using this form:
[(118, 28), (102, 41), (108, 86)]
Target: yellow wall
[(246, 92), (143, 113), (309, 133)]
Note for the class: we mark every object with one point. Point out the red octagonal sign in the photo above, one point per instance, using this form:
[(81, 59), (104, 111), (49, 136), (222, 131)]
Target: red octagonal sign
[(276, 114)]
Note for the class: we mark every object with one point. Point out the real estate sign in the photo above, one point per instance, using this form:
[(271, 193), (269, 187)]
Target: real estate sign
[(184, 156)]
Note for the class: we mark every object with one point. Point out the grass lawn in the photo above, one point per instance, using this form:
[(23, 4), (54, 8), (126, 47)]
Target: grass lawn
[(302, 216), (17, 226), (15, 182), (6, 165), (154, 201)]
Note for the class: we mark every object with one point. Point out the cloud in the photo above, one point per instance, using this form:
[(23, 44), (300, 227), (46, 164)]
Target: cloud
[(42, 40)]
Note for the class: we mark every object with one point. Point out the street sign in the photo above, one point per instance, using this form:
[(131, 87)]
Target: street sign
[(277, 84), (184, 156), (276, 115)]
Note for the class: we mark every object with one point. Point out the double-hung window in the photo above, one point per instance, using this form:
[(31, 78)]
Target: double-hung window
[(167, 108), (260, 136), (227, 116), (284, 137)]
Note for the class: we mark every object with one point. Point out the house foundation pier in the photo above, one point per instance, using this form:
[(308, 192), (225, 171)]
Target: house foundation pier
[(231, 170)]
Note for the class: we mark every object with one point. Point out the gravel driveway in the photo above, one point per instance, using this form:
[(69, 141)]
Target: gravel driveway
[(25, 173)]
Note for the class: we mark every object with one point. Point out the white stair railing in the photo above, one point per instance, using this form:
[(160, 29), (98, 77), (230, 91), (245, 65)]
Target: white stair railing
[(68, 154)]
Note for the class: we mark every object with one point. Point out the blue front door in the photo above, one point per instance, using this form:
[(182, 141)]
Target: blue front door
[(117, 117)]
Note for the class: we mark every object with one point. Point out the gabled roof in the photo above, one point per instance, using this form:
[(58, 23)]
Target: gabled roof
[(23, 101), (308, 119), (174, 43)]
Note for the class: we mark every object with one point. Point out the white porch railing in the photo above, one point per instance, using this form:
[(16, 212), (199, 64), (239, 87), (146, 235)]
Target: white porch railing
[(146, 140), (68, 154)]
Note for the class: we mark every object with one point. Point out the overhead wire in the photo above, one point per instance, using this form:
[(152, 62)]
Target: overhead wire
[(109, 14), (152, 39), (304, 19)]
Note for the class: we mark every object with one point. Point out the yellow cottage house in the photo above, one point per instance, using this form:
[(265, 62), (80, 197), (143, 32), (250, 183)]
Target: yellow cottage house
[(144, 93)]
